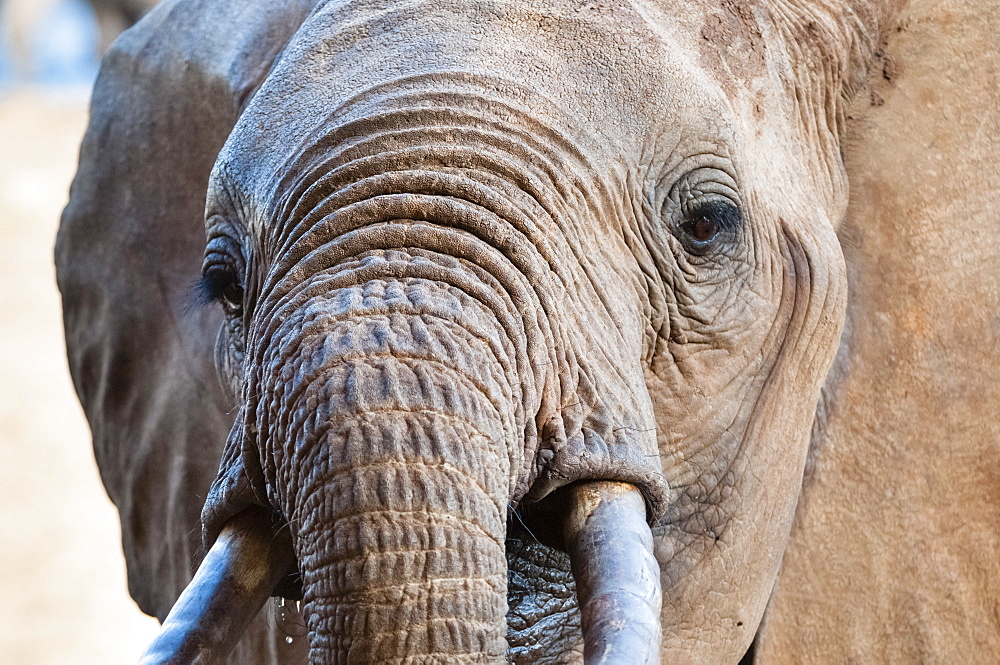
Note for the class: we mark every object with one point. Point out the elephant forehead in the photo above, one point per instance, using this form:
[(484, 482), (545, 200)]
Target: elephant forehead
[(604, 75)]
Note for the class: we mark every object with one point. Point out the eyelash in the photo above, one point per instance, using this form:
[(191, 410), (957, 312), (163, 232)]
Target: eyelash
[(221, 284)]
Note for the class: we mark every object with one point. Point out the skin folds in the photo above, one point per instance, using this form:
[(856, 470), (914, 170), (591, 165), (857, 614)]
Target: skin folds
[(465, 265)]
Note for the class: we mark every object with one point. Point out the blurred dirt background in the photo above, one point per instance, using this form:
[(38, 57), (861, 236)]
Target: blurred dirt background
[(62, 574), (63, 596)]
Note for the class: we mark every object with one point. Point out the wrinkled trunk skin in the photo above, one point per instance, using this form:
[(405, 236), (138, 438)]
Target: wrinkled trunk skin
[(415, 366), (397, 485)]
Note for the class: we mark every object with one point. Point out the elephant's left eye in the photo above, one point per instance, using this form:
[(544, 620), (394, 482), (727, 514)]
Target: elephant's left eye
[(707, 222)]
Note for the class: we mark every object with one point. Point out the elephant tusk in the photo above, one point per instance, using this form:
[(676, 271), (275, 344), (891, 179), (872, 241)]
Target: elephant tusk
[(617, 576), (231, 585)]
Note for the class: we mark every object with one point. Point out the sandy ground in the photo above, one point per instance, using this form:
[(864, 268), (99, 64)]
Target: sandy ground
[(62, 577)]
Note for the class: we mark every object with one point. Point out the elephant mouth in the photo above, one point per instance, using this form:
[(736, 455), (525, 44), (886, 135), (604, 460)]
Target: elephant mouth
[(604, 532)]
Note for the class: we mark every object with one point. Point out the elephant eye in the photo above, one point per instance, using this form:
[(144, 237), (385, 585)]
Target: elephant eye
[(222, 284), (701, 229), (707, 223)]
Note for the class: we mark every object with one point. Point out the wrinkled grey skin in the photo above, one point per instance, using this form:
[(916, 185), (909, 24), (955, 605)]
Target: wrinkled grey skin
[(465, 254)]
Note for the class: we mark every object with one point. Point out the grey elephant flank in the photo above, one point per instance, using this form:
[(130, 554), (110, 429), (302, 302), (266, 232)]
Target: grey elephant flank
[(490, 331)]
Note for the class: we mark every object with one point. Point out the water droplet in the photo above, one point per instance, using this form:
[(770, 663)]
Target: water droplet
[(288, 618)]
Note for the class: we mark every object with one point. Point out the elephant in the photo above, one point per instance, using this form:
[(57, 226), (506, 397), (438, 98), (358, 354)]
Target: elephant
[(640, 331)]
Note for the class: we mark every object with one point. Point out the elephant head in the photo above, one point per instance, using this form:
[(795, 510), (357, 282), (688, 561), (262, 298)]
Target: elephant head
[(499, 281)]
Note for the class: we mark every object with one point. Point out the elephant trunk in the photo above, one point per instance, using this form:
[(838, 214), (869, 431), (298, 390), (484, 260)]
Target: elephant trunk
[(392, 449), (410, 565), (404, 376)]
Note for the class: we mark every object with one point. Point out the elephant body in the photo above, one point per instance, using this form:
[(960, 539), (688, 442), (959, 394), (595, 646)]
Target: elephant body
[(463, 258)]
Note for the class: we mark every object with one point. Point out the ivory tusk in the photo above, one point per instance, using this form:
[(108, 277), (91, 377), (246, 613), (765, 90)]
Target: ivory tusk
[(231, 585), (617, 576)]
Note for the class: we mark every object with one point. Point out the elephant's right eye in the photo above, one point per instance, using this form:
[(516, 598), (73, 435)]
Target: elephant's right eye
[(221, 283)]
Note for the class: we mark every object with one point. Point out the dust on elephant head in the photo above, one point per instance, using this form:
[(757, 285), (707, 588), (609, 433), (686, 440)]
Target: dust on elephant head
[(470, 258)]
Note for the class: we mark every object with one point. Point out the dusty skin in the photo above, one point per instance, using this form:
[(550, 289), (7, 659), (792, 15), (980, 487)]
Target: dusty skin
[(62, 577), (470, 254)]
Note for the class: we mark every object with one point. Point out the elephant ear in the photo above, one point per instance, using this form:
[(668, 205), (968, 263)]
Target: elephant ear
[(128, 256), (894, 552)]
